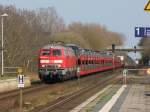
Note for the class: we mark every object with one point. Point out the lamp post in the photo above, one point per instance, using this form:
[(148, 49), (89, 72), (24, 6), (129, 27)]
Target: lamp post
[(2, 41)]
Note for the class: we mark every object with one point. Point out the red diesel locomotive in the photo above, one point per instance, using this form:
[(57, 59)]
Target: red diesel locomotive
[(60, 62)]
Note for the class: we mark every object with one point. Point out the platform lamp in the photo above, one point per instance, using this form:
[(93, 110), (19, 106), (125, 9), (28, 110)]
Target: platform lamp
[(2, 41)]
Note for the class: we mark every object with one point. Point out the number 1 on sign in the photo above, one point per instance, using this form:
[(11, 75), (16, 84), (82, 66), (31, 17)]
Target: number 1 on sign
[(138, 31)]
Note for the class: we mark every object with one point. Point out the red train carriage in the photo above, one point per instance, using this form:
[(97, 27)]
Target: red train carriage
[(56, 62), (60, 62), (91, 61)]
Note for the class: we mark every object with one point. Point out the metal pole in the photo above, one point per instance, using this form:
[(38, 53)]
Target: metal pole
[(135, 61), (2, 43), (78, 78), (125, 79), (21, 100), (79, 81), (78, 72), (20, 71), (113, 62)]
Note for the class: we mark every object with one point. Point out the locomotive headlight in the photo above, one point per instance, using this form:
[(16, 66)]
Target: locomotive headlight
[(43, 65), (59, 65), (44, 61), (58, 61)]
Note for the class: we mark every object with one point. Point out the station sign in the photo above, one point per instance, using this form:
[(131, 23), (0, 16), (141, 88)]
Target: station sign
[(125, 71), (21, 81), (147, 6), (142, 31)]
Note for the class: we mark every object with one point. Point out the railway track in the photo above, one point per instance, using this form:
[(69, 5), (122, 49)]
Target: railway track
[(15, 93), (35, 86), (8, 100), (66, 103)]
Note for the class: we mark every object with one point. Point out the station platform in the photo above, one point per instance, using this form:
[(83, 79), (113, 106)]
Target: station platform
[(133, 97)]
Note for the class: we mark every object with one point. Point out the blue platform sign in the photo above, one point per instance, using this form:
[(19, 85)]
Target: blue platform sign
[(142, 31)]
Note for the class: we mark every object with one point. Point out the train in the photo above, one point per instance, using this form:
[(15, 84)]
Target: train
[(59, 62)]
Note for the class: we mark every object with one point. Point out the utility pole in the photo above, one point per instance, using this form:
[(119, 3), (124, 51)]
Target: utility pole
[(2, 42), (78, 74), (135, 55)]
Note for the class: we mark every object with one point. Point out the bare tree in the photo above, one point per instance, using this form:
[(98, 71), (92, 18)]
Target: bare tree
[(96, 36), (26, 31)]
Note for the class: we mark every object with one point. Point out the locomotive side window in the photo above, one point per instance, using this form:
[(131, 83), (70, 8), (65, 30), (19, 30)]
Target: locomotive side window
[(45, 53), (79, 62), (56, 52)]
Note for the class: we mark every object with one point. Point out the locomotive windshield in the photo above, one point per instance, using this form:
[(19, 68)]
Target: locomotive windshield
[(56, 52), (45, 53)]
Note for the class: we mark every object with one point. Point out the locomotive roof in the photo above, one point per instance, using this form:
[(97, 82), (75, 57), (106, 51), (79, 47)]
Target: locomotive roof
[(53, 46), (81, 50), (74, 45)]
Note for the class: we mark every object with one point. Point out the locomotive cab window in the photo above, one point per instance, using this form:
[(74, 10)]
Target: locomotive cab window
[(56, 52), (45, 53)]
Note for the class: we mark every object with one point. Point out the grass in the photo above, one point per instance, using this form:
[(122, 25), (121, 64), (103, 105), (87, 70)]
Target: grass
[(5, 77), (103, 98), (32, 76)]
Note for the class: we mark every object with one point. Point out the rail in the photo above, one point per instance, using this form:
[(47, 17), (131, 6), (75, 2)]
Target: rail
[(71, 97)]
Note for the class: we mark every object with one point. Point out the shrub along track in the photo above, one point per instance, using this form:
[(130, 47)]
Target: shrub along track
[(44, 94)]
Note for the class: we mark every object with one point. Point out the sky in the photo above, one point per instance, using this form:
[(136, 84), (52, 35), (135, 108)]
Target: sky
[(120, 16)]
